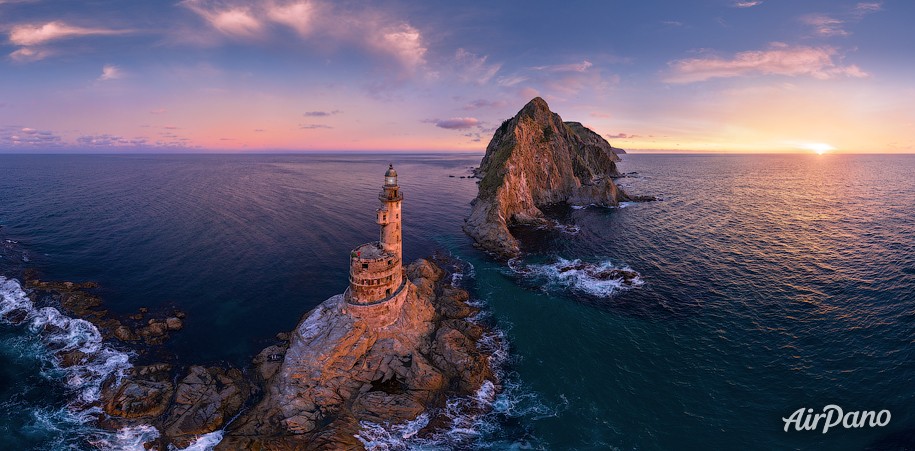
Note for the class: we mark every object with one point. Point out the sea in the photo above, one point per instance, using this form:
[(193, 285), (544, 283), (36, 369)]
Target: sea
[(757, 285)]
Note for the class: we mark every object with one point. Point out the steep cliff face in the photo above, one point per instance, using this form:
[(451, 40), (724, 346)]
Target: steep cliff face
[(339, 371), (533, 160)]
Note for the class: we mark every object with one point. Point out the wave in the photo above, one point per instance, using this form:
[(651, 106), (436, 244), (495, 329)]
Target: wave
[(602, 279), (60, 334), (96, 364), (473, 422), (569, 229)]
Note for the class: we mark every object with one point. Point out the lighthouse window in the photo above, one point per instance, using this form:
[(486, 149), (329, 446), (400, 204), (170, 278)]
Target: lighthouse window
[(387, 292), (365, 266)]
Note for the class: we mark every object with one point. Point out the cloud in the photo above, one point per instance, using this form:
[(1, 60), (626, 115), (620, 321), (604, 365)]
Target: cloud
[(314, 126), (747, 4), (321, 113), (528, 93), (110, 72), (621, 136), (483, 103), (474, 137), (599, 114), (578, 67), (229, 20), (106, 140), (472, 68), (672, 23), (455, 123), (868, 7), (32, 35), (824, 25), (512, 80), (15, 136), (403, 42), (33, 38), (322, 25), (27, 54), (158, 111), (779, 59), (299, 16)]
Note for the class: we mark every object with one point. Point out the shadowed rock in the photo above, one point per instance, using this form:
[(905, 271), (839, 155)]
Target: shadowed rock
[(535, 160)]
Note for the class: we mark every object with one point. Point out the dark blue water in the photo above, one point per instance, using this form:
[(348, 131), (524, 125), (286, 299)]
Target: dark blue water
[(766, 284)]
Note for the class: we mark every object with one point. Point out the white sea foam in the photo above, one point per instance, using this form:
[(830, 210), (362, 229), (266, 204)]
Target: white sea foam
[(205, 442), (127, 439), (569, 229), (472, 422), (603, 279), (99, 364)]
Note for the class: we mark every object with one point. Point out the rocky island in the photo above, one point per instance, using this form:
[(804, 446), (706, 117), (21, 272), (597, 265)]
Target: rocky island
[(536, 160)]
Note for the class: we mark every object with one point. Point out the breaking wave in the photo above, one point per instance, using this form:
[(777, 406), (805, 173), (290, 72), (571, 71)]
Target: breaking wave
[(479, 421), (601, 279), (93, 363), (72, 353)]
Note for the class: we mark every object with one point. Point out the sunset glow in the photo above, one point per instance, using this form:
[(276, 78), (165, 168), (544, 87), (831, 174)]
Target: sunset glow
[(820, 148), (316, 75)]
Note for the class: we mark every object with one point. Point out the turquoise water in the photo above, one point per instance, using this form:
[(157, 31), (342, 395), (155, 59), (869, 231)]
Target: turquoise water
[(766, 283)]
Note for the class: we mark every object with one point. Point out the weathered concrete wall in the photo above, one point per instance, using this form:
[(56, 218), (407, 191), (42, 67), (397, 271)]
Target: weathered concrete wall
[(379, 314)]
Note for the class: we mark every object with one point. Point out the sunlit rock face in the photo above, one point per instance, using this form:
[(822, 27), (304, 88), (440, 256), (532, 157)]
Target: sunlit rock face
[(339, 369), (533, 160)]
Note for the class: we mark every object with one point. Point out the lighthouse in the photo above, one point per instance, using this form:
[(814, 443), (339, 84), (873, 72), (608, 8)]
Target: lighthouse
[(376, 276), (389, 214)]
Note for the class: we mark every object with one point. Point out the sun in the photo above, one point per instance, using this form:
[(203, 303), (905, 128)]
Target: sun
[(819, 148)]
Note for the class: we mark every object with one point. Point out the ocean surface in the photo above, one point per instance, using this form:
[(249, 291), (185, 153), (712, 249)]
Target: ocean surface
[(765, 283)]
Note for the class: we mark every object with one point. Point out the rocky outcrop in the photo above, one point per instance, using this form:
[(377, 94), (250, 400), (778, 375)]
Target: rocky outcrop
[(199, 403), (338, 371), (77, 300), (534, 160), (310, 389)]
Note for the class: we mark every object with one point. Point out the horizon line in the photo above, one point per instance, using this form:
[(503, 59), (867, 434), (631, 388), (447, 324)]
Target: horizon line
[(198, 151)]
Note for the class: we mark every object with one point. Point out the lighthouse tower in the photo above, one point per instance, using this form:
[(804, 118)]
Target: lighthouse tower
[(389, 214), (376, 276)]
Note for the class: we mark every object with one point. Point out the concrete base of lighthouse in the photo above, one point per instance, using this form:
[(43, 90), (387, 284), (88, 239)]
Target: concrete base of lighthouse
[(380, 313)]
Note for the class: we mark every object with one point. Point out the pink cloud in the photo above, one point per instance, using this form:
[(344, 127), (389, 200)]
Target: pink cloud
[(747, 4), (868, 7), (230, 20), (26, 54), (483, 103), (322, 24), (824, 25), (576, 67), (472, 68), (455, 123), (621, 136), (779, 59), (31, 35), (300, 16), (529, 93), (110, 72)]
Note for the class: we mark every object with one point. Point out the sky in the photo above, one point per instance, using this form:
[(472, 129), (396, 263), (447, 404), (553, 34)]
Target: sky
[(300, 75)]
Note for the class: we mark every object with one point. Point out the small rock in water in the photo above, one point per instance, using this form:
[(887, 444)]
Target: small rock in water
[(174, 323)]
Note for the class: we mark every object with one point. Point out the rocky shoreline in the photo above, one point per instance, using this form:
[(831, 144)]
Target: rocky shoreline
[(312, 389)]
